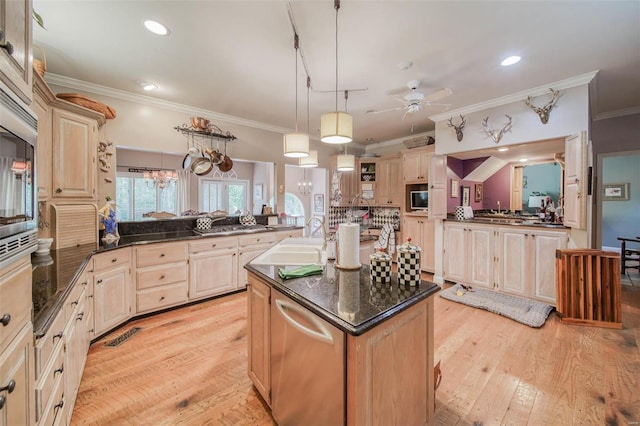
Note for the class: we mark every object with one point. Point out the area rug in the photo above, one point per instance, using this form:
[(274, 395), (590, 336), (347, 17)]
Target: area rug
[(525, 311)]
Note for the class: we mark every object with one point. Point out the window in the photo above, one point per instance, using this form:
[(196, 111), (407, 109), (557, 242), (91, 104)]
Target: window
[(293, 207), (135, 196), (227, 195)]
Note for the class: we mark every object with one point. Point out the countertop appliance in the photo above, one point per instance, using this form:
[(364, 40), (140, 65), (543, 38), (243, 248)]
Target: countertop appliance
[(307, 366)]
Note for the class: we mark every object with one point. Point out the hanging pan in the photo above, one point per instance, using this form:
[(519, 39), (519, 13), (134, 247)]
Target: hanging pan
[(201, 166), (226, 165)]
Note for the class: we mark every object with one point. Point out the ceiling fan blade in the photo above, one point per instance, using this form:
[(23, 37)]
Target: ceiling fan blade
[(373, 111), (439, 94)]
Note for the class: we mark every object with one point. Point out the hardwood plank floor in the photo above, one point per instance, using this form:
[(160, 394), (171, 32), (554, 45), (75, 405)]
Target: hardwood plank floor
[(188, 367)]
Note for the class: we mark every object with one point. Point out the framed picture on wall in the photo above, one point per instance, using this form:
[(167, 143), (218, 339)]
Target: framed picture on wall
[(318, 203), (454, 188), (478, 192), (257, 191), (615, 191), (466, 196)]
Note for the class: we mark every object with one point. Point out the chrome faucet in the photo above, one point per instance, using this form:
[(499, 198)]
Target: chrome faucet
[(322, 228)]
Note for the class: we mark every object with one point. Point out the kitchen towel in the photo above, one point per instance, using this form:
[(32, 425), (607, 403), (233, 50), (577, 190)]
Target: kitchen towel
[(303, 271), (468, 212), (349, 245)]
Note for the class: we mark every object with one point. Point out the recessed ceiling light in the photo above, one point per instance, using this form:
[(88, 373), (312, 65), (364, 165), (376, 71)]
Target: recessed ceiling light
[(510, 61), (149, 86), (156, 28), (503, 149), (523, 160), (405, 65)]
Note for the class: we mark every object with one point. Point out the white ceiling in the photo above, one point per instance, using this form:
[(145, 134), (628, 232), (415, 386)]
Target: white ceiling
[(237, 57)]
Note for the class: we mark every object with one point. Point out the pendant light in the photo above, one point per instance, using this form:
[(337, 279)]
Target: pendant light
[(336, 127), (296, 144), (346, 162), (304, 184), (312, 159)]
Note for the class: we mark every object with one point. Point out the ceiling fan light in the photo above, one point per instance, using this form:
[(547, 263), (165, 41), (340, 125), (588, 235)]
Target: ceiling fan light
[(309, 161), (346, 162), (336, 127), (296, 145)]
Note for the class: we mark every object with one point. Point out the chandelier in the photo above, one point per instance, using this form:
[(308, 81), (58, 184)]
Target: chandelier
[(304, 184), (160, 178)]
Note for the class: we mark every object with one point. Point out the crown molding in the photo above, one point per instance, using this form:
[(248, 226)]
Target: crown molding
[(397, 141), (568, 83), (60, 80), (617, 113)]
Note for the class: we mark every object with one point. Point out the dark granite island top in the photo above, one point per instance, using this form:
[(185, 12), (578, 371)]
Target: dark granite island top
[(347, 299)]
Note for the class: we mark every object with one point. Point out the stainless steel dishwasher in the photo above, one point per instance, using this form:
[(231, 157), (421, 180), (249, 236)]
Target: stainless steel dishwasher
[(307, 366)]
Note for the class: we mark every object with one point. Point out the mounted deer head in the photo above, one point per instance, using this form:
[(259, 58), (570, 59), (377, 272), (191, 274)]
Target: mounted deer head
[(543, 112), (458, 128), (496, 135)]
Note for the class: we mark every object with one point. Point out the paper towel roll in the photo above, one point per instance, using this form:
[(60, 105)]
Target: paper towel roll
[(349, 245)]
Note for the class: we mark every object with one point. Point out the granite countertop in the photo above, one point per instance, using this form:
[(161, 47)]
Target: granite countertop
[(509, 221), (54, 274), (347, 299)]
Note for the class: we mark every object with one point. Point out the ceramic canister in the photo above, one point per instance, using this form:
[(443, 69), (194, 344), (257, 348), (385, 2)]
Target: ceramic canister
[(380, 266), (408, 264), (459, 213), (204, 223)]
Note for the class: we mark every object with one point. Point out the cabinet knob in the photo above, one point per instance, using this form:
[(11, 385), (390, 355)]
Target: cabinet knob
[(59, 404), (10, 386), (162, 277), (2, 401), (57, 336), (161, 254), (161, 298), (6, 319), (99, 282), (114, 260), (80, 316), (58, 190), (213, 245), (58, 370)]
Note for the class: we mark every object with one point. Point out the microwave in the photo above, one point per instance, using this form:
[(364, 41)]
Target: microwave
[(18, 188)]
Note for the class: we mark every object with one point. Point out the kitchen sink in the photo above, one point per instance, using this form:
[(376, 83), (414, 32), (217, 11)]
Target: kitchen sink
[(294, 251)]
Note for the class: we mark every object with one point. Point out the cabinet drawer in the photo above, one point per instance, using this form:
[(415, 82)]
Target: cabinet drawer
[(15, 300), (149, 300), (154, 276), (160, 254), (112, 259), (46, 345), (208, 244), (261, 238), (54, 411), (293, 233), (45, 384), (72, 301)]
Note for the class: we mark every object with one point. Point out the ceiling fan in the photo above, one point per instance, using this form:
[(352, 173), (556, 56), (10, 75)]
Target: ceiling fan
[(415, 101)]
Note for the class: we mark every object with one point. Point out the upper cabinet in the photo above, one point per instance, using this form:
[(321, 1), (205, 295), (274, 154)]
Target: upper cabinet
[(575, 206), (388, 186), (67, 146), (74, 144), (415, 164), (15, 55)]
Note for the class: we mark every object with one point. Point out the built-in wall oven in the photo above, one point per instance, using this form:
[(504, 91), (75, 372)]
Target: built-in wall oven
[(18, 194)]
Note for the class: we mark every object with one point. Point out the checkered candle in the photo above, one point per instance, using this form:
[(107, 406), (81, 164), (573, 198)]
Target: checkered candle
[(408, 264)]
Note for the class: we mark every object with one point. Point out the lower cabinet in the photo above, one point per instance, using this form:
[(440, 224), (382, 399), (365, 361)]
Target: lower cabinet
[(161, 275), (16, 380), (259, 360), (213, 267), (422, 232), (250, 246), (112, 289), (526, 262), (517, 260)]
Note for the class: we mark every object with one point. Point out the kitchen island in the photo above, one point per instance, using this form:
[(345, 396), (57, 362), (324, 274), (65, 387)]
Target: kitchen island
[(336, 348)]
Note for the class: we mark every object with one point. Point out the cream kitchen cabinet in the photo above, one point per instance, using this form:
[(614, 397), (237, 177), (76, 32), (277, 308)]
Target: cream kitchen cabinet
[(348, 183), (161, 276), (259, 318), (213, 267), (389, 189), (526, 262), (16, 71), (42, 98), (74, 142), (415, 164), (16, 345), (422, 233), (112, 289), (250, 246), (468, 253), (290, 233), (575, 190)]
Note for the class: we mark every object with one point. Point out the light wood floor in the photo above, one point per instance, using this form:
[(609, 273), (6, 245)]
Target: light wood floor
[(188, 367)]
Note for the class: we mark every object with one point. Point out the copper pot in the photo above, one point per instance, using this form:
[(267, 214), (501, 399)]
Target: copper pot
[(226, 165)]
